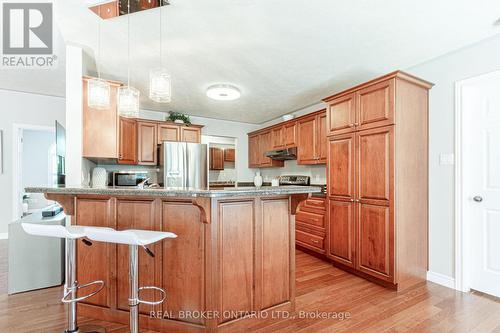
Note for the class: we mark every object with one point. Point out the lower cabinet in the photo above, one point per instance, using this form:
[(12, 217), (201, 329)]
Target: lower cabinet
[(310, 225), (341, 233)]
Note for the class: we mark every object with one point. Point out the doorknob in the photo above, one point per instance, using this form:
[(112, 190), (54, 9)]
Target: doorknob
[(477, 198)]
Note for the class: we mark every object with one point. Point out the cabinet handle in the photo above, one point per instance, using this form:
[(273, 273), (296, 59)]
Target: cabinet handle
[(356, 124), (120, 156), (357, 200), (352, 200), (352, 125), (315, 241)]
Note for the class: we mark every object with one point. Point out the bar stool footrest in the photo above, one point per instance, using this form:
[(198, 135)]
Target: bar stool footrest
[(164, 295), (75, 300)]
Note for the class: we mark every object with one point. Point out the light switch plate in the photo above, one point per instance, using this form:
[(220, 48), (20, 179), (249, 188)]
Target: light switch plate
[(446, 159)]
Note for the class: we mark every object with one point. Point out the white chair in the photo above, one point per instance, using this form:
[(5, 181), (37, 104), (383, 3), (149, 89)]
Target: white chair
[(71, 286), (134, 239)]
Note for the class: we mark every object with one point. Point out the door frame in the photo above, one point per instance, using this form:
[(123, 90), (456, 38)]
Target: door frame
[(462, 241), (16, 162)]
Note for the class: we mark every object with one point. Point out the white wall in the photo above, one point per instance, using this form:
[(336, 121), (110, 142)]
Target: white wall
[(21, 108), (444, 71)]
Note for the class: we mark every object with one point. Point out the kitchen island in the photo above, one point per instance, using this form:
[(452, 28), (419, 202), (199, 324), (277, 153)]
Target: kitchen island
[(232, 263)]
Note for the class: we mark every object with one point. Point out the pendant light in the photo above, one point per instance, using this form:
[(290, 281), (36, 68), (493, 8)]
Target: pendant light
[(128, 97), (98, 90), (160, 82)]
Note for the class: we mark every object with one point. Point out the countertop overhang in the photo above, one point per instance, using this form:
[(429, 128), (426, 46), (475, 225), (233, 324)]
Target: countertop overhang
[(179, 192)]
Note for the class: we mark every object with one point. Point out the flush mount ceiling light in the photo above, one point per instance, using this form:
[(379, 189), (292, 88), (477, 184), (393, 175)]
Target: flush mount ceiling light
[(223, 92)]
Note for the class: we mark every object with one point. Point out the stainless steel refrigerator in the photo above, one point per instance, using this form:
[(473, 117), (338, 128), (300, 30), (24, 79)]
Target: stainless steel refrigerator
[(183, 164)]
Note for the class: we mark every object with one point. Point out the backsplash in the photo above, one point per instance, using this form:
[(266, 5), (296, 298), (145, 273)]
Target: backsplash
[(316, 172)]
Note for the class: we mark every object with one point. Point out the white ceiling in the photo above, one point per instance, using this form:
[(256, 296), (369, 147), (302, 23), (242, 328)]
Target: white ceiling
[(282, 54)]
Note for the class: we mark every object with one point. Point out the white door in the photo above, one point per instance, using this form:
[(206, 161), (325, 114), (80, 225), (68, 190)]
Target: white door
[(481, 180)]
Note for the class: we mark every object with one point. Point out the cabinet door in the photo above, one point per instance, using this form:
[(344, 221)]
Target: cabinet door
[(341, 167), (191, 134), (265, 142), (375, 229), (341, 233), (95, 262), (253, 151), (341, 115), (128, 141), (216, 159), (290, 134), (375, 165), (229, 155), (322, 140), (100, 127), (375, 105), (137, 214), (278, 137), (307, 137), (168, 133), (147, 143)]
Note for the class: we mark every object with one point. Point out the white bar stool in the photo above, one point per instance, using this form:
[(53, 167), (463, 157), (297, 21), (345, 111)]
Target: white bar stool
[(134, 239), (71, 286)]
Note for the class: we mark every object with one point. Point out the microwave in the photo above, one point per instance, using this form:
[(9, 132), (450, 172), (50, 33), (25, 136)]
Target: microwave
[(128, 178)]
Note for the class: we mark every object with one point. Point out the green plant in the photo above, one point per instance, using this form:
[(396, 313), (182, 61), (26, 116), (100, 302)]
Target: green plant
[(173, 116)]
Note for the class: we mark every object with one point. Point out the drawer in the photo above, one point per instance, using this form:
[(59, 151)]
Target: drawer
[(316, 203), (309, 239), (310, 218)]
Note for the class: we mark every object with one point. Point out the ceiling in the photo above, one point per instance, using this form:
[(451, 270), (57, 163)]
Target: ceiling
[(282, 54)]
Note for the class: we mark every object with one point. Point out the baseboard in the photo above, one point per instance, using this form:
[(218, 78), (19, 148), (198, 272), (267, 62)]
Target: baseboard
[(441, 279), (4, 235)]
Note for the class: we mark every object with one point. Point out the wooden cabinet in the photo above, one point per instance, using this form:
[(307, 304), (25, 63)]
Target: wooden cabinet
[(229, 155), (216, 159), (377, 179), (310, 224), (312, 139), (190, 134), (369, 107), (100, 127), (147, 143), (127, 141), (168, 133), (278, 137), (253, 151), (290, 134)]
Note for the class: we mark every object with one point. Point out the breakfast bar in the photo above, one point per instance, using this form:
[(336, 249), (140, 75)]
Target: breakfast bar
[(232, 263)]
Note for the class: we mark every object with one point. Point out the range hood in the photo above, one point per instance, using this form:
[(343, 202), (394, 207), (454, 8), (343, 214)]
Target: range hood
[(283, 154)]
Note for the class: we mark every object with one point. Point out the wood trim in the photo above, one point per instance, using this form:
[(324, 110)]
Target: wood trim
[(67, 202), (288, 122), (396, 74)]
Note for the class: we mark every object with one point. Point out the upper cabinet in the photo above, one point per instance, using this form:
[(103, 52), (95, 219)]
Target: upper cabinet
[(216, 159), (367, 107), (100, 127), (107, 10), (312, 139), (307, 133), (107, 136), (229, 155)]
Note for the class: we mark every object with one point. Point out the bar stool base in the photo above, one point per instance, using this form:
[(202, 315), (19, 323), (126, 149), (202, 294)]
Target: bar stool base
[(88, 329)]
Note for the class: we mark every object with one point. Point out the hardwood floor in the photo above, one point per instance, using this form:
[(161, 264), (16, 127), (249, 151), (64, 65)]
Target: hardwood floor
[(320, 287)]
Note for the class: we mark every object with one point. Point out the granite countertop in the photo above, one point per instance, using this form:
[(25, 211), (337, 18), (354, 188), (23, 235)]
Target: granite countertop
[(180, 192)]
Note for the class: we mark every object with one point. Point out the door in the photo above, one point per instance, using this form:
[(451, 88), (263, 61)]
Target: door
[(341, 167), (375, 105), (216, 159), (190, 134), (265, 142), (341, 115), (253, 151), (128, 141), (341, 234), (147, 143), (168, 133), (322, 140), (290, 134), (229, 155), (306, 146), (278, 137), (481, 181)]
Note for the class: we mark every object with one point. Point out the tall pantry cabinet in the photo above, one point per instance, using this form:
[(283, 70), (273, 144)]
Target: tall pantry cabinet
[(378, 179)]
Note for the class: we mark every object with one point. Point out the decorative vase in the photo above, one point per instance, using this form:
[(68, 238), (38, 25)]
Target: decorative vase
[(257, 180), (99, 177)]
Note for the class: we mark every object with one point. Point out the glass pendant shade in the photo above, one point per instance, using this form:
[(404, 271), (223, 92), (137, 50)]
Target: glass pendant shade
[(98, 93), (160, 85), (128, 102)]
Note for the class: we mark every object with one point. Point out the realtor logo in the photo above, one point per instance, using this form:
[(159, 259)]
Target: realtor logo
[(27, 32)]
